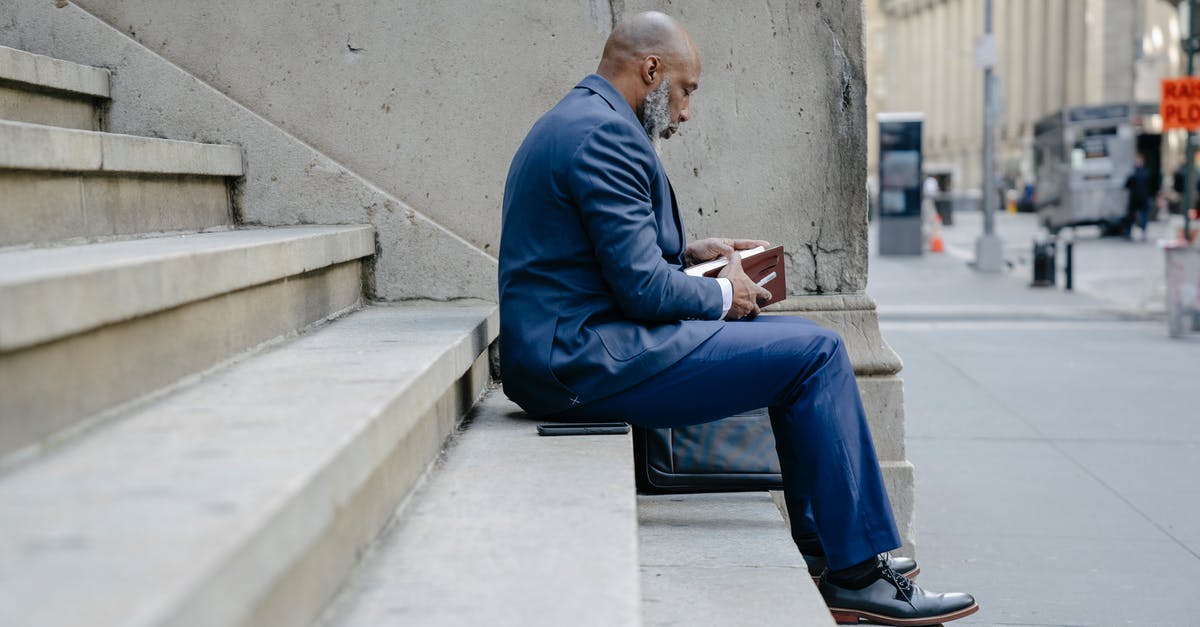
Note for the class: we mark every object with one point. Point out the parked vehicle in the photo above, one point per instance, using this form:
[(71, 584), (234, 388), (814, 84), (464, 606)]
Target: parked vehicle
[(1082, 158)]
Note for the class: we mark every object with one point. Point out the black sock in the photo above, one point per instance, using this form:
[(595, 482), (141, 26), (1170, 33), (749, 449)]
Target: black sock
[(809, 544), (856, 577)]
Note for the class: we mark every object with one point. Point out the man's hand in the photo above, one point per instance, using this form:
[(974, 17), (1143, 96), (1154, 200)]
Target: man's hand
[(747, 295), (708, 249)]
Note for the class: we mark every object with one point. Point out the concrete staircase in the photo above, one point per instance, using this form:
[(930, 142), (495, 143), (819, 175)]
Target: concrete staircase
[(200, 423)]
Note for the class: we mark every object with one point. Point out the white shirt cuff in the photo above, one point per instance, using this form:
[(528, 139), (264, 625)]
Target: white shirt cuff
[(726, 295)]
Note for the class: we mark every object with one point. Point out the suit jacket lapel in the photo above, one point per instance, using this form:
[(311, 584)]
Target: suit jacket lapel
[(678, 219)]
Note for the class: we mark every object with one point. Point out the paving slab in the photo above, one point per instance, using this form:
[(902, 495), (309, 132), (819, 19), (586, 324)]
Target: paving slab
[(1153, 477), (952, 407), (1065, 380), (1063, 581), (1053, 433), (1021, 487)]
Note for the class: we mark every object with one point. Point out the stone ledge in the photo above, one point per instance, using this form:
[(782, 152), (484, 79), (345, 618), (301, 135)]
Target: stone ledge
[(49, 293), (39, 208), (207, 506), (52, 392), (512, 530), (854, 316), (20, 104), (49, 73), (26, 146), (723, 559)]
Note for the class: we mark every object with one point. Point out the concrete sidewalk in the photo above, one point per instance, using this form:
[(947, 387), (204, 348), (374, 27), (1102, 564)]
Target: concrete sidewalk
[(1055, 435)]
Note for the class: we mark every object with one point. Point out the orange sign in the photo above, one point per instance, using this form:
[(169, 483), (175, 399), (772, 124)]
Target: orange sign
[(1180, 104)]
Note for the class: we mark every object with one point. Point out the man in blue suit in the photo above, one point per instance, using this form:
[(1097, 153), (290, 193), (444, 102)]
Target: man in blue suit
[(598, 320)]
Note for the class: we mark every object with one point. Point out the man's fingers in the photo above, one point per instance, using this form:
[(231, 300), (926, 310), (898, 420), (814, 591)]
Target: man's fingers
[(733, 268), (764, 295), (745, 244)]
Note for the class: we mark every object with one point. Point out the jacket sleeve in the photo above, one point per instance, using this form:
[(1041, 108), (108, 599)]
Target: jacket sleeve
[(610, 179)]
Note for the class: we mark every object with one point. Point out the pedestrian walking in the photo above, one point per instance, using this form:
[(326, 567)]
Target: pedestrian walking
[(1137, 210)]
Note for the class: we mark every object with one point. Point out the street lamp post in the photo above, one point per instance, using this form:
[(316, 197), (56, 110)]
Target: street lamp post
[(1189, 151), (989, 251)]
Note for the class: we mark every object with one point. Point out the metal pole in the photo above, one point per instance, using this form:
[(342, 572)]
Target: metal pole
[(1189, 186), (989, 136), (989, 253)]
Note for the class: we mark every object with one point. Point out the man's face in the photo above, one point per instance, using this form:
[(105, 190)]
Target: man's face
[(669, 104)]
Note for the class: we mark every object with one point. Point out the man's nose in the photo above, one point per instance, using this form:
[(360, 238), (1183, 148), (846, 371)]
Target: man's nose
[(685, 115)]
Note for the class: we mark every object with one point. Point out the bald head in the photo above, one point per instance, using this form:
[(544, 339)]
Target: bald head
[(652, 52), (648, 34)]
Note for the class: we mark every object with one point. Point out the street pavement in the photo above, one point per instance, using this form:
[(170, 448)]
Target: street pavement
[(1055, 434)]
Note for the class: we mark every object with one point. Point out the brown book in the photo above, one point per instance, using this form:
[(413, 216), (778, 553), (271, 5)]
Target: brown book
[(763, 266)]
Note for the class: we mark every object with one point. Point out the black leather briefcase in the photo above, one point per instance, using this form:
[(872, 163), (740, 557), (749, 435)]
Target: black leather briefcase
[(734, 454)]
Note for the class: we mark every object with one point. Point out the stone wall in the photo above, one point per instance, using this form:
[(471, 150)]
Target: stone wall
[(428, 102)]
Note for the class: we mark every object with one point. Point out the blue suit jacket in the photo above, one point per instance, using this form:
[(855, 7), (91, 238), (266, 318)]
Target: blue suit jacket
[(592, 295)]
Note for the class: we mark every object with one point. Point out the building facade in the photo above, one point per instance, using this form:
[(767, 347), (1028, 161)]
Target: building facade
[(1049, 55)]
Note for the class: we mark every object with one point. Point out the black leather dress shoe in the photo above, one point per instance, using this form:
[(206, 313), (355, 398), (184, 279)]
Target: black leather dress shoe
[(894, 600), (906, 566)]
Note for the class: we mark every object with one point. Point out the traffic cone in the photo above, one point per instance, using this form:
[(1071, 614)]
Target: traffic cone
[(936, 244)]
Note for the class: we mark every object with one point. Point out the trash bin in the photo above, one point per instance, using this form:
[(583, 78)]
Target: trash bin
[(1044, 266), (1183, 288), (945, 209)]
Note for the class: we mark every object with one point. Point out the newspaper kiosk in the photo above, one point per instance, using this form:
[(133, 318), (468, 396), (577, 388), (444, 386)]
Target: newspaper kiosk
[(900, 183)]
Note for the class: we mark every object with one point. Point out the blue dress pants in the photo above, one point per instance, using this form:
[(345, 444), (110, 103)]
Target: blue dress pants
[(801, 372)]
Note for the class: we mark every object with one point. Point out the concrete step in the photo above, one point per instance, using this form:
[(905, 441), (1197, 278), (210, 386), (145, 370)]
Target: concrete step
[(245, 498), (513, 529), (85, 328), (57, 184), (723, 559), (45, 90)]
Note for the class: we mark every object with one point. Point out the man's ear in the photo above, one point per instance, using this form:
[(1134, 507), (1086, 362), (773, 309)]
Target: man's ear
[(651, 68)]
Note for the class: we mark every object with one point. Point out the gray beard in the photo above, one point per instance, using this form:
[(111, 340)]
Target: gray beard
[(656, 113)]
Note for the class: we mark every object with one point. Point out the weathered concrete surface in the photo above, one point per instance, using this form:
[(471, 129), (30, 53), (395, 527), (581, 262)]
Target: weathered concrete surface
[(43, 90), (512, 530), (429, 101), (246, 498), (723, 559), (777, 146), (48, 390), (51, 73), (36, 107), (287, 181), (35, 147), (49, 293), (40, 207)]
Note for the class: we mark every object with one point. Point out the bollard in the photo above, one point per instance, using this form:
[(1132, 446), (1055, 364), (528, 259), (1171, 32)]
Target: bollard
[(1070, 269), (1044, 267), (1183, 288)]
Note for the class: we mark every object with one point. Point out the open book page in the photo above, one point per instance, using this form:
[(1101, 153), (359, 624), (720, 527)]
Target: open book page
[(701, 269)]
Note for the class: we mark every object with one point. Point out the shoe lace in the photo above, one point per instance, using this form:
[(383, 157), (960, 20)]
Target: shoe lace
[(900, 581)]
